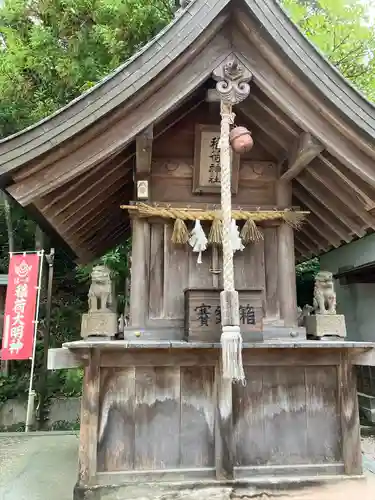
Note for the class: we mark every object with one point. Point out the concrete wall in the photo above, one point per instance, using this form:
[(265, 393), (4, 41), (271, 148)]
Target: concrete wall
[(355, 254), (356, 301), (13, 411)]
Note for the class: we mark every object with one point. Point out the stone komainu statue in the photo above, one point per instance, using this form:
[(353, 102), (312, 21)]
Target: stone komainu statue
[(324, 293), (100, 295)]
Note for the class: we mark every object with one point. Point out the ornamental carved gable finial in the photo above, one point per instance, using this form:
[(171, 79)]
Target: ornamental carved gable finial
[(232, 79)]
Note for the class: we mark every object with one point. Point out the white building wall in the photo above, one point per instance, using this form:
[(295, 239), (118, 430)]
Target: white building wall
[(356, 301)]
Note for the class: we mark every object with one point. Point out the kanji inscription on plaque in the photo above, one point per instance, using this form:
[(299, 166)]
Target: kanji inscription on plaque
[(207, 168), (203, 313)]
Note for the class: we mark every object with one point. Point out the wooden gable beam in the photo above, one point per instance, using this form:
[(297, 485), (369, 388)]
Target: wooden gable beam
[(108, 175), (260, 136), (266, 126), (95, 194), (298, 255), (343, 196), (107, 238), (291, 128), (91, 220), (302, 248), (75, 218), (93, 244), (326, 217), (367, 201), (302, 154), (323, 230), (312, 235), (104, 230), (305, 238), (315, 189), (62, 197)]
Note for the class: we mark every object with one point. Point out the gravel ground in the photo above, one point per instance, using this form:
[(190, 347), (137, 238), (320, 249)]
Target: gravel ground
[(41, 467)]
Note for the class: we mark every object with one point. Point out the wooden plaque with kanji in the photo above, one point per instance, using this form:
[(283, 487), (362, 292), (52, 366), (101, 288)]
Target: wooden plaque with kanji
[(206, 177), (203, 313)]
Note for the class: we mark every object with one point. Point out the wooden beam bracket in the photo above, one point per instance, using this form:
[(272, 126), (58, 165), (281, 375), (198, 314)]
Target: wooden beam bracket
[(61, 358), (308, 148)]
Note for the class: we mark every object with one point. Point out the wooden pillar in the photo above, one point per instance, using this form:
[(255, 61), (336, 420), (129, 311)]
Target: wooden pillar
[(286, 260), (224, 453), (350, 426), (271, 271), (88, 440), (139, 289)]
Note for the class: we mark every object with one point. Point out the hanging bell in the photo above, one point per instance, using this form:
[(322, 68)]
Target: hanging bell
[(241, 140)]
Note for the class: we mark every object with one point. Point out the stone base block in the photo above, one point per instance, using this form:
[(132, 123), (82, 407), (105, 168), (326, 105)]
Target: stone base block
[(266, 487), (326, 325), (99, 324)]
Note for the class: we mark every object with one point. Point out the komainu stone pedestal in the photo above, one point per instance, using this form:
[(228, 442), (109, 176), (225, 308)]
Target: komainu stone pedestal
[(326, 325), (99, 324)]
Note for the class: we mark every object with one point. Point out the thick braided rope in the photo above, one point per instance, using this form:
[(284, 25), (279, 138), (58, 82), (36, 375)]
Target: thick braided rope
[(227, 119), (144, 210)]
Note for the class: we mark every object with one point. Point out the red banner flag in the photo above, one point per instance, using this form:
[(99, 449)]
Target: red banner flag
[(20, 307)]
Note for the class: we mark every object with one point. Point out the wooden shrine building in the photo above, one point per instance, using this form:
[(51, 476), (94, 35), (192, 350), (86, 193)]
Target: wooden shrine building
[(156, 410)]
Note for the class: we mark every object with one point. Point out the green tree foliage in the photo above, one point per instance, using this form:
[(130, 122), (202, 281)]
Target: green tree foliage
[(344, 32), (305, 275), (54, 50)]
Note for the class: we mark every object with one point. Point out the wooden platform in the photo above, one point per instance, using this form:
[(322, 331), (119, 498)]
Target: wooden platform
[(161, 412)]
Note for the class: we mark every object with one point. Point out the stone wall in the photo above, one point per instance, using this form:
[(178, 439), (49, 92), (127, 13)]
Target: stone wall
[(61, 412)]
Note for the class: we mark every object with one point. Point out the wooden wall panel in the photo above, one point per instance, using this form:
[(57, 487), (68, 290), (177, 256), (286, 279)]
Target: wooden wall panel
[(249, 267), (323, 417), (163, 418), (287, 416), (157, 417), (197, 417), (172, 269), (248, 419), (116, 420), (175, 276), (284, 403), (199, 274), (171, 182)]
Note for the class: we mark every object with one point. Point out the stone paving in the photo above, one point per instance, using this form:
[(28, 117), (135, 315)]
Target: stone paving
[(38, 467), (42, 467)]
